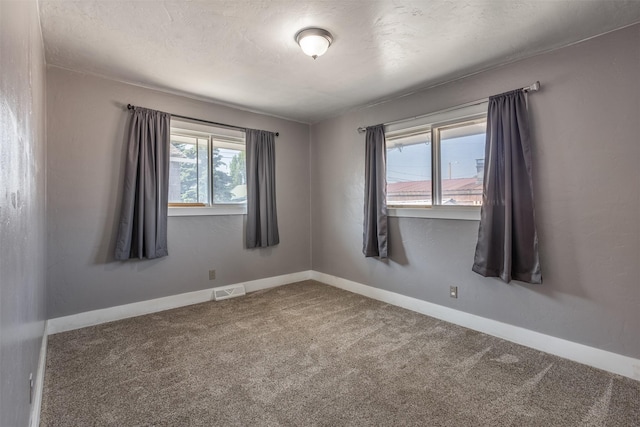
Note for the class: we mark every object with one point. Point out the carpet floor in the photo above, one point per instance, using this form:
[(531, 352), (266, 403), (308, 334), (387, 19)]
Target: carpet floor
[(310, 354)]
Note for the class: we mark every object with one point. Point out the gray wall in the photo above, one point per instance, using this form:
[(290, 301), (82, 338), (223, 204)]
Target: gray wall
[(86, 125), (586, 127), (22, 206)]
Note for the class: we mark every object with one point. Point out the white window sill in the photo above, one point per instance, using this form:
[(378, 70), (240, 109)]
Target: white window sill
[(208, 210), (465, 213)]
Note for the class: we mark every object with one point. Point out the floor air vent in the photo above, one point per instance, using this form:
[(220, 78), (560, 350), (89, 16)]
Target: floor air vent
[(226, 292)]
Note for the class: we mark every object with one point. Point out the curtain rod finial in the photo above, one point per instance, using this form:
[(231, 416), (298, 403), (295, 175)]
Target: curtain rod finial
[(533, 88)]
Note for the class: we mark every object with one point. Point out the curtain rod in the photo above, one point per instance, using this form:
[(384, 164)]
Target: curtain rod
[(133, 107), (532, 88)]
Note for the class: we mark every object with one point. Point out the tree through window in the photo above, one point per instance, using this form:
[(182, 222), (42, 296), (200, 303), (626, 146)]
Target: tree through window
[(206, 168)]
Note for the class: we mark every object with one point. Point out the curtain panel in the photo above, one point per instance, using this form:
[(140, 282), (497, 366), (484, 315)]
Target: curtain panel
[(375, 194), (507, 238), (262, 218), (142, 230)]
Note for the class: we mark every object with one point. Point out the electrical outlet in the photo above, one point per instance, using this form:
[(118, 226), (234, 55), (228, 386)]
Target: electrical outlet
[(30, 388), (212, 275), (453, 291)]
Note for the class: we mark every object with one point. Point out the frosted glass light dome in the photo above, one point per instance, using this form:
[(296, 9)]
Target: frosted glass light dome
[(314, 41)]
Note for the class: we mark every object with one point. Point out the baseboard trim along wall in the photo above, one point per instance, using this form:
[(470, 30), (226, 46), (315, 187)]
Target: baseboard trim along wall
[(34, 417), (601, 359), (96, 317)]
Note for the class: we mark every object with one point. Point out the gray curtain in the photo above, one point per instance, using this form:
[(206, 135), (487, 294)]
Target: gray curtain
[(142, 232), (262, 218), (507, 239), (375, 194)]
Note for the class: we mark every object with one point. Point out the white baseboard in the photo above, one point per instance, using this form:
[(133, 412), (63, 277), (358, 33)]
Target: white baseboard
[(601, 359), (34, 418), (96, 317), (272, 282)]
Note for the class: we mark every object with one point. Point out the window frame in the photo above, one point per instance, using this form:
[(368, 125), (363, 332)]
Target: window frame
[(433, 124), (216, 137)]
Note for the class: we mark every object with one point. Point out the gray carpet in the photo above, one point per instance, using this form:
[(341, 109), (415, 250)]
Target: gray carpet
[(311, 354)]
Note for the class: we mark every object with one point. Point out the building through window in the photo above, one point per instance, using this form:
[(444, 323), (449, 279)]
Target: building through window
[(437, 164)]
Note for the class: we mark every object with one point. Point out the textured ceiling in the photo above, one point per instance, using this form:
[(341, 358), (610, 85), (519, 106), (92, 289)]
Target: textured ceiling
[(243, 53)]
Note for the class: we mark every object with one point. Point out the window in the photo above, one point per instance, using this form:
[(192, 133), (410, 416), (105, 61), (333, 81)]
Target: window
[(437, 165), (206, 170)]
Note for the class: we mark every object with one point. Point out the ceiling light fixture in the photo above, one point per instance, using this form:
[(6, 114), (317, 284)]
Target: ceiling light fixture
[(314, 41)]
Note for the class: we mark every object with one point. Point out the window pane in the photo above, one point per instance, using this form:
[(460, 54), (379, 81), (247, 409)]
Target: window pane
[(409, 170), (229, 176), (462, 163), (183, 170)]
